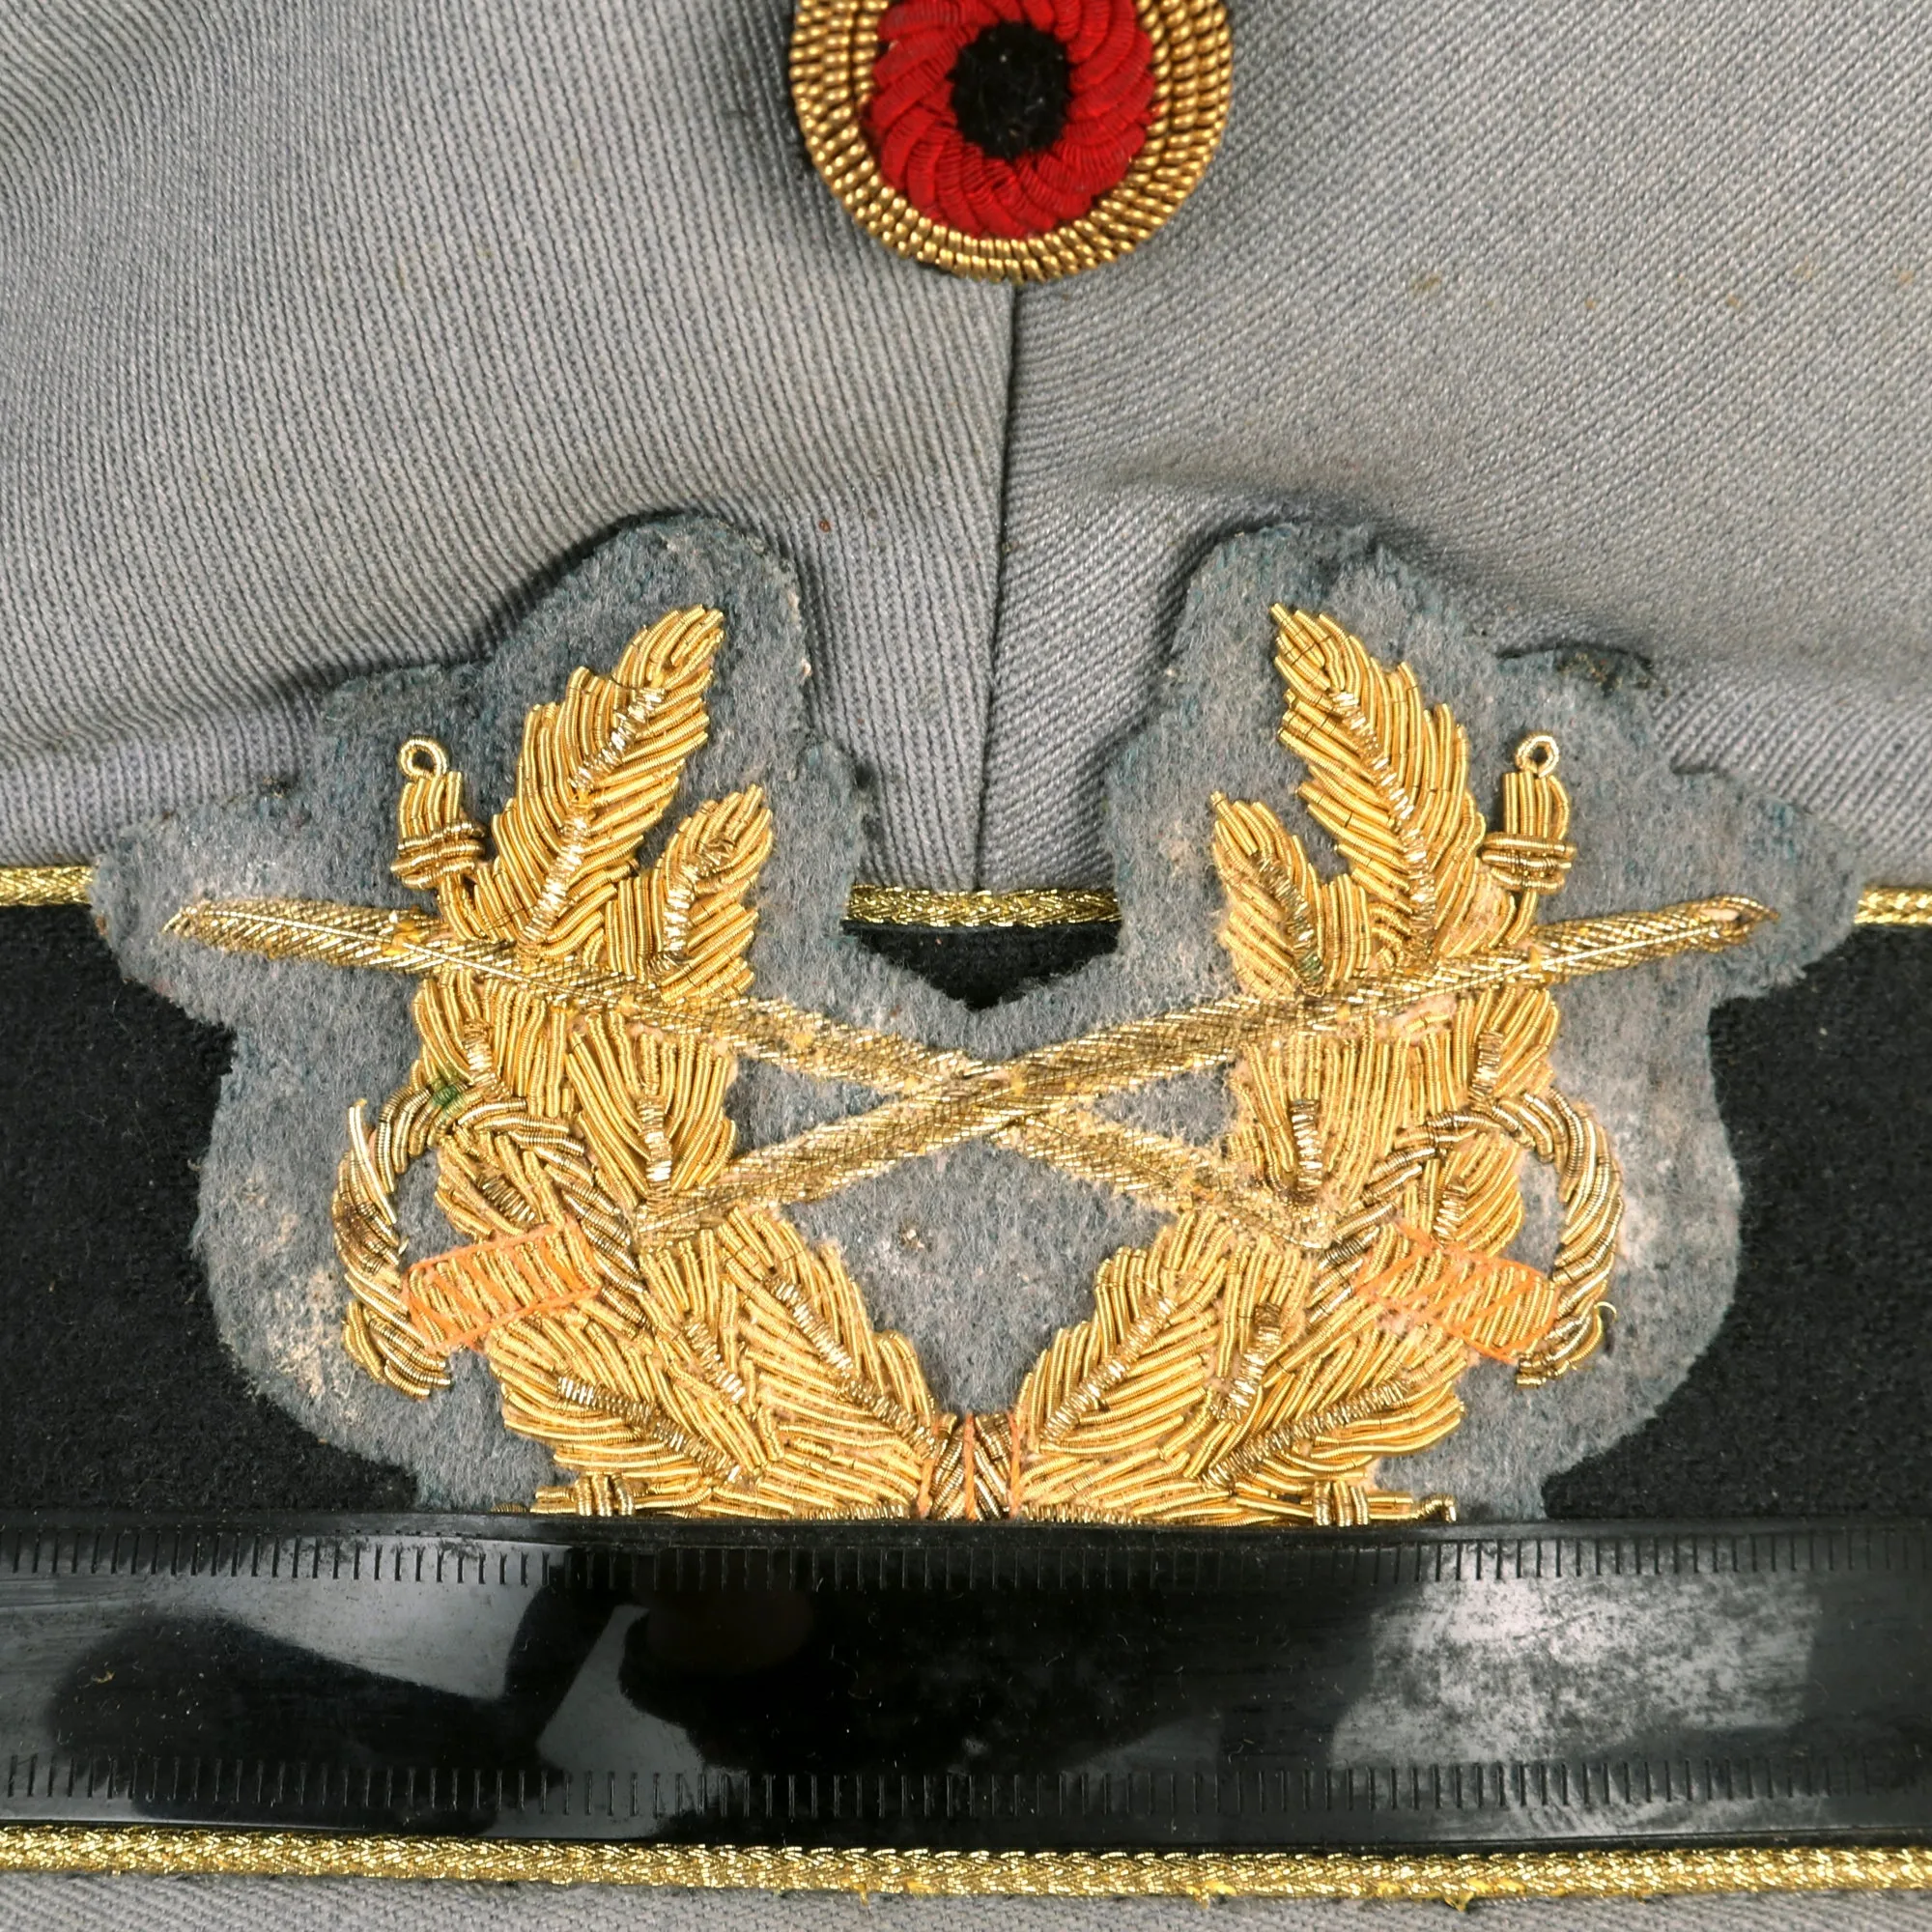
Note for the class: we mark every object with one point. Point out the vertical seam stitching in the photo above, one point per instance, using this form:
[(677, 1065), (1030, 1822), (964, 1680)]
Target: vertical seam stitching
[(1000, 522)]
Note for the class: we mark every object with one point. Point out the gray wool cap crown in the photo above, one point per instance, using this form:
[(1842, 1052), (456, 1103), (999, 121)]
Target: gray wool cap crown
[(977, 1254), (330, 328)]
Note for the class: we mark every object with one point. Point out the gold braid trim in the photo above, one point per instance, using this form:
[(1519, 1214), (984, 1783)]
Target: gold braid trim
[(974, 1099), (915, 905), (1036, 905), (1894, 905), (44, 885), (834, 45), (1456, 1878)]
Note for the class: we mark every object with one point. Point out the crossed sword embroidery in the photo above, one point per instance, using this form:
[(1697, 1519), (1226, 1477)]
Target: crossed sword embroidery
[(1329, 1271)]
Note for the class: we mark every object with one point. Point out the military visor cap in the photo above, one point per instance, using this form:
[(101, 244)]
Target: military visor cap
[(1054, 783)]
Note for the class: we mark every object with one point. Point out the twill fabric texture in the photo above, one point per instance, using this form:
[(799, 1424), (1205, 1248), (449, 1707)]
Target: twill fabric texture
[(331, 331)]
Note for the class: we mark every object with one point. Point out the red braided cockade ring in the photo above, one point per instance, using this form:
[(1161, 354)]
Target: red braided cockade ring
[(1011, 140)]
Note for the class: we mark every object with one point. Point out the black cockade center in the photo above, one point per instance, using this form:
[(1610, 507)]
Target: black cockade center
[(1011, 88)]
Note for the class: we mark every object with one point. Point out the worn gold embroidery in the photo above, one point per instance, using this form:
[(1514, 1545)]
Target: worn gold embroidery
[(1895, 905), (656, 1320)]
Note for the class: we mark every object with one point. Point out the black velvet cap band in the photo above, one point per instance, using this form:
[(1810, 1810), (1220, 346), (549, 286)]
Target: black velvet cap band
[(115, 1389)]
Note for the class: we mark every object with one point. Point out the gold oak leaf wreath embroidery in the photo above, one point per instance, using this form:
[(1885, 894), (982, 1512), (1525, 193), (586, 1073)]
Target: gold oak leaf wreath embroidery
[(657, 1322)]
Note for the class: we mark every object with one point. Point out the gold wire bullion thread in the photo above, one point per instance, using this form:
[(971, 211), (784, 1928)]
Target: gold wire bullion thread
[(968, 1460), (649, 1420), (653, 1317), (1377, 1401), (834, 45), (1458, 1878)]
